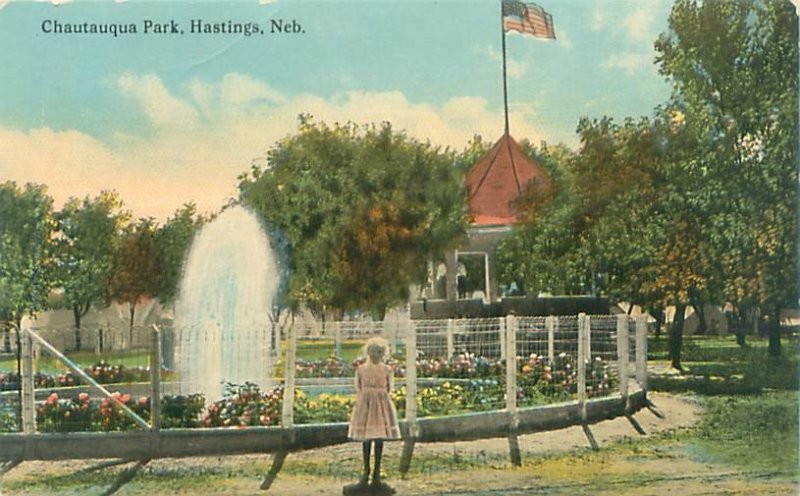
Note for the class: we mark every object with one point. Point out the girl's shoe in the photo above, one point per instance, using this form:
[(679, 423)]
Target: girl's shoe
[(359, 488), (379, 487)]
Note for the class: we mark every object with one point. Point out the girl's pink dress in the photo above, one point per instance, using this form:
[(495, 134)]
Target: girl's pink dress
[(374, 415)]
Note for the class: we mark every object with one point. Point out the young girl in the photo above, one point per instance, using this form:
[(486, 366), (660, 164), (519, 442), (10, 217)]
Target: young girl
[(374, 418)]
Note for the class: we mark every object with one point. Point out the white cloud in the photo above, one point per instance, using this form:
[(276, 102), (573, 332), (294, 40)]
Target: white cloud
[(599, 20), (636, 24), (514, 68), (629, 62), (162, 108), (563, 38), (639, 23), (205, 140)]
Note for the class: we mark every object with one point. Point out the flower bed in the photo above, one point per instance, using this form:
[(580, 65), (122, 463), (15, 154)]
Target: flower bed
[(102, 372), (81, 413), (466, 384), (246, 405)]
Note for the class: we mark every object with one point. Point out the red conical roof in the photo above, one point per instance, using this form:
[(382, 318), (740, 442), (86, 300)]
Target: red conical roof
[(498, 179)]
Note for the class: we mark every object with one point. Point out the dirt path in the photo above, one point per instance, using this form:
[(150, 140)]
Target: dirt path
[(477, 468)]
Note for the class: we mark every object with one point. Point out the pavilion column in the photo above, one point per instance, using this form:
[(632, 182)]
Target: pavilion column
[(430, 290), (451, 275), (492, 291)]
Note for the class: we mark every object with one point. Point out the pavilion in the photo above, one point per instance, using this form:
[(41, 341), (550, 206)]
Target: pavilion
[(494, 184)]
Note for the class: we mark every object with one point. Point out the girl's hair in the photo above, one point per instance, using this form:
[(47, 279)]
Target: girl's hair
[(376, 346)]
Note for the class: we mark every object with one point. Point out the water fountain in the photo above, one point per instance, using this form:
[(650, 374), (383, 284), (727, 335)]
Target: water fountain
[(222, 325)]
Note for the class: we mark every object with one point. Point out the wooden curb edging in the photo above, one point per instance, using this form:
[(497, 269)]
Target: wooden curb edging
[(177, 443)]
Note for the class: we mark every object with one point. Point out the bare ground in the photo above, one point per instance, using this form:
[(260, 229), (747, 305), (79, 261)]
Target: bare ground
[(475, 468)]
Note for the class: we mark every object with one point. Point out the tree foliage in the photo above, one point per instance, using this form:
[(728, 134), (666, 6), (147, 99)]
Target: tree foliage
[(173, 241), (733, 65), (136, 269), (698, 203), (27, 268), (363, 209), (90, 232)]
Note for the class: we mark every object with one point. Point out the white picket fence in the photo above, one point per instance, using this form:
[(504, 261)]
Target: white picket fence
[(619, 340)]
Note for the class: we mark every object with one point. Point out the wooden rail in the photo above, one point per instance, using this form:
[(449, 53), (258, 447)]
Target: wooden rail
[(176, 443)]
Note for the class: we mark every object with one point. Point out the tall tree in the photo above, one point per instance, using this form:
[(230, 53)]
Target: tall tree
[(136, 269), (733, 65), (90, 233), (26, 250), (362, 207), (173, 241)]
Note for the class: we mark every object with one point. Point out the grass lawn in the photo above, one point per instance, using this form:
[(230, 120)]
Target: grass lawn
[(750, 400), (51, 365), (716, 365), (306, 350)]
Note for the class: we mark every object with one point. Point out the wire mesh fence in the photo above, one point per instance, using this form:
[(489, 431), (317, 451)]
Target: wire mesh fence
[(460, 365)]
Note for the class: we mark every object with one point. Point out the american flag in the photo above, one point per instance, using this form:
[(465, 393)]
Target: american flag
[(527, 18)]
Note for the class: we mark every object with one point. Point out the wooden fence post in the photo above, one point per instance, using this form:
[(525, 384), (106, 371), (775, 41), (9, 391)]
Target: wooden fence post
[(641, 352), (502, 336), (511, 326), (551, 324), (287, 415), (155, 379), (588, 337), (584, 354), (28, 386), (622, 356), (411, 398), (411, 379), (581, 365), (511, 363)]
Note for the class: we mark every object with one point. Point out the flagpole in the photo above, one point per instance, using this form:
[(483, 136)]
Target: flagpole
[(505, 81)]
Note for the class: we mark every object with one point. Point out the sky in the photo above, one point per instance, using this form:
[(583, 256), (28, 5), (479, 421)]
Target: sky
[(166, 119)]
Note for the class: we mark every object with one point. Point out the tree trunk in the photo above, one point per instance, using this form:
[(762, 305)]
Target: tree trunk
[(132, 306), (755, 319), (774, 330), (6, 338), (658, 314), (740, 337), (76, 314), (676, 336), (659, 323), (737, 324), (702, 328)]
